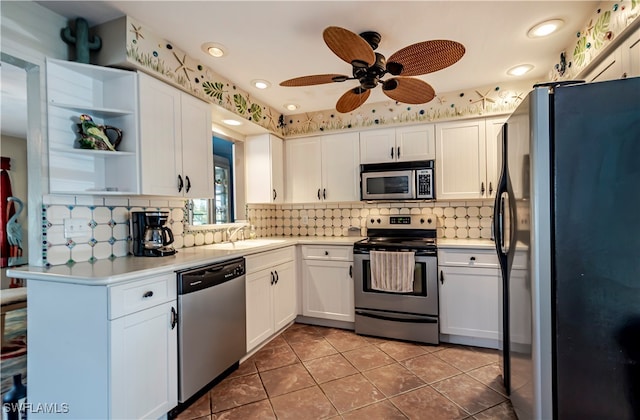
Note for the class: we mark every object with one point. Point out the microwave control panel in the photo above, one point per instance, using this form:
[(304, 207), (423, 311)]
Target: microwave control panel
[(424, 183)]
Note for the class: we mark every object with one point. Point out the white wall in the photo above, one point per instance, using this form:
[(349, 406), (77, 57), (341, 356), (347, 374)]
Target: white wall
[(30, 33)]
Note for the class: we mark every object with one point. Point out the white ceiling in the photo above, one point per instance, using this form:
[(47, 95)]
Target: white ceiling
[(279, 40)]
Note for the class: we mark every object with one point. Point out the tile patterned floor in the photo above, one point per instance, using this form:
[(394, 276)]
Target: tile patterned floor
[(311, 372)]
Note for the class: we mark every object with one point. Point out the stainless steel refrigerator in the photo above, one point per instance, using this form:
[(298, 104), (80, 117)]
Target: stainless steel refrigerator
[(569, 199)]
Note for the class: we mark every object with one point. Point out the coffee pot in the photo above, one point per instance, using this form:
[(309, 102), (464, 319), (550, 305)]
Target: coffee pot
[(151, 238)]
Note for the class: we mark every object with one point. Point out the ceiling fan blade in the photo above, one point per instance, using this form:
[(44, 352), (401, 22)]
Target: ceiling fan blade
[(408, 90), (316, 79), (425, 57), (352, 99), (349, 46)]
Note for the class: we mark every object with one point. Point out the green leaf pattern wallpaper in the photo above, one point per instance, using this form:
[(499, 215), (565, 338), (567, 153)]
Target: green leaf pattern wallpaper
[(156, 55)]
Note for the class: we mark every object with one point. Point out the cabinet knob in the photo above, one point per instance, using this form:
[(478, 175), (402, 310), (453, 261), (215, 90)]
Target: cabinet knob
[(147, 294), (472, 259), (326, 252)]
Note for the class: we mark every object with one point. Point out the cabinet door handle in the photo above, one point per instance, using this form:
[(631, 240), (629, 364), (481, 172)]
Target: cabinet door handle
[(180, 183), (351, 271), (275, 193), (147, 294), (188, 184), (174, 317), (398, 153), (490, 188), (277, 276), (273, 279), (441, 277), (324, 193), (392, 153), (326, 252), (318, 193), (482, 188)]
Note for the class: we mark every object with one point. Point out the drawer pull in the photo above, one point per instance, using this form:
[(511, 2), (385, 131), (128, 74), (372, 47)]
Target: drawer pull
[(472, 258), (326, 252), (147, 294)]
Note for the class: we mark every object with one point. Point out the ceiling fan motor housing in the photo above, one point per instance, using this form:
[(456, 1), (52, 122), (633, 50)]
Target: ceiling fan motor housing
[(369, 77)]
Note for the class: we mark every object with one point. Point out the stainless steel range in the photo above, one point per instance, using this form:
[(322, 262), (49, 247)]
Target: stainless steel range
[(395, 279)]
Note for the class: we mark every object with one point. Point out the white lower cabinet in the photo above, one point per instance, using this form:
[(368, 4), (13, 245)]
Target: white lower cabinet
[(143, 359), (327, 282), (104, 351), (270, 294), (469, 295)]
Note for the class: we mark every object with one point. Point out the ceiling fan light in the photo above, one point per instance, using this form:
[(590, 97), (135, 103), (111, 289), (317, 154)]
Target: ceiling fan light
[(390, 84), (520, 70), (394, 68), (545, 28)]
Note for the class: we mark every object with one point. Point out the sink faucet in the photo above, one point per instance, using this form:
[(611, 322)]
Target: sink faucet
[(237, 231)]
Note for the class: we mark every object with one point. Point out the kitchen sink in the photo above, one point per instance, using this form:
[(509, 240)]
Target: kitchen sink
[(249, 243)]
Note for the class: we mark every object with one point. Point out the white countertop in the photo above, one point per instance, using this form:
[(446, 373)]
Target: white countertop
[(466, 243), (123, 269)]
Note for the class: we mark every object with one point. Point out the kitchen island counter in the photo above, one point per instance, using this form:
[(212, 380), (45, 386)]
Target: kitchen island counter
[(124, 269)]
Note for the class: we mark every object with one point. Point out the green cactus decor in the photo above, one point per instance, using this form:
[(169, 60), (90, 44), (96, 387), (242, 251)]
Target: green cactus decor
[(83, 42)]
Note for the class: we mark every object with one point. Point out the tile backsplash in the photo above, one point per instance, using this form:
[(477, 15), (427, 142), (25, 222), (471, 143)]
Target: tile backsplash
[(470, 219), (109, 237)]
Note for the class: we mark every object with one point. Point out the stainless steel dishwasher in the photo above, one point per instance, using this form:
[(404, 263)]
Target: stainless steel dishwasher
[(211, 323)]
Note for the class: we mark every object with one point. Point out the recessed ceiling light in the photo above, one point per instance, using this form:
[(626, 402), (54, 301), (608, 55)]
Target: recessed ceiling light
[(545, 28), (520, 70), (260, 83), (291, 107), (214, 49), (232, 122)]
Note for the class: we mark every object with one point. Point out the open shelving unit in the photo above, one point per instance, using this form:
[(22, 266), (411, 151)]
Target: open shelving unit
[(110, 97)]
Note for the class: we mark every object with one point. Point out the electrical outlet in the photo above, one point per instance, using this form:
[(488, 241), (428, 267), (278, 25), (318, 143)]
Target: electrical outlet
[(305, 220), (74, 228)]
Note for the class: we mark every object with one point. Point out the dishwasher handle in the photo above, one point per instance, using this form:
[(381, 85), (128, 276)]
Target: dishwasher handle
[(194, 279)]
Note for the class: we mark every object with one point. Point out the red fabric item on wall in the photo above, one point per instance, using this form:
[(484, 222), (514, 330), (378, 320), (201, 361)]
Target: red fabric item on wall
[(7, 209)]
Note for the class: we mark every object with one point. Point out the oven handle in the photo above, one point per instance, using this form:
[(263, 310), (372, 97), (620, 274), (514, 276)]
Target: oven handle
[(420, 320)]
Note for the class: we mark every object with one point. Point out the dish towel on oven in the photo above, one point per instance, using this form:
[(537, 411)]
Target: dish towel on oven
[(392, 271)]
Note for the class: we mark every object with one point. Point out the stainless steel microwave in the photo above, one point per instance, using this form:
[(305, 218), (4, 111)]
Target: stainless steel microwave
[(397, 181)]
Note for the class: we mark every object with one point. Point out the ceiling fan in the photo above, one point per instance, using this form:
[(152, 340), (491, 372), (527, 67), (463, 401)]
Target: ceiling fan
[(369, 67)]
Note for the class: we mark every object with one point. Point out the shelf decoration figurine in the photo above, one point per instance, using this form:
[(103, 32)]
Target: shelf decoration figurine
[(83, 41), (94, 136)]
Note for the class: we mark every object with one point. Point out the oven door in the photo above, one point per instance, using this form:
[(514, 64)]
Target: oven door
[(386, 185), (423, 300)]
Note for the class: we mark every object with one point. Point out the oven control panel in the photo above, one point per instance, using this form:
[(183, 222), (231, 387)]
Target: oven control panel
[(417, 221)]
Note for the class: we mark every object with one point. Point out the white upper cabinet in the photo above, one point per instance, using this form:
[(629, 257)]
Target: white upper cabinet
[(323, 168), (264, 164), (623, 62), (398, 144), (468, 158), (176, 141), (460, 162), (493, 154), (109, 96), (630, 55)]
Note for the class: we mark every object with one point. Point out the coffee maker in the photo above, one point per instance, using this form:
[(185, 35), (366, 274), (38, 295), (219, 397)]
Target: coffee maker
[(150, 237)]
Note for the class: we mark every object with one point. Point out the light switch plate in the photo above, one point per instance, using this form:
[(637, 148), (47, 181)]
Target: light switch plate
[(305, 220), (75, 228)]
